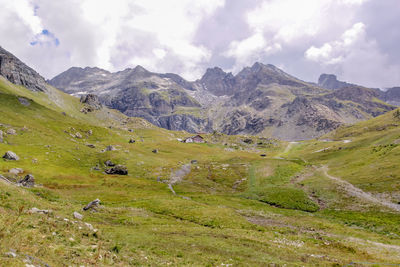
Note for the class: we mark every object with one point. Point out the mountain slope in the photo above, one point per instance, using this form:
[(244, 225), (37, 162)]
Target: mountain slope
[(18, 73)]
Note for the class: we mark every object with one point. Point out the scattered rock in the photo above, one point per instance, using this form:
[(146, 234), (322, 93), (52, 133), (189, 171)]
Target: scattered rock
[(25, 102), (10, 254), (1, 136), (263, 155), (28, 181), (78, 135), (38, 211), (34, 161), (110, 148), (92, 205), (11, 132), (89, 226), (155, 151), (96, 168), (131, 141), (109, 163), (130, 130), (193, 161), (63, 113), (248, 141), (78, 215), (90, 132), (16, 171), (91, 145), (10, 156), (118, 169)]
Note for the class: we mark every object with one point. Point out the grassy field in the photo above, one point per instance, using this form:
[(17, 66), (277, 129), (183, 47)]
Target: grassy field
[(234, 208)]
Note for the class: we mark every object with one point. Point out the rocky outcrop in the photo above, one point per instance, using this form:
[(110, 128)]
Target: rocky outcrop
[(118, 170), (330, 81), (218, 82), (91, 101), (239, 122), (28, 181), (189, 123), (18, 73)]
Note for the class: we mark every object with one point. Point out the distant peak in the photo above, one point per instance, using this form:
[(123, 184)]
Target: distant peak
[(214, 72), (330, 81), (325, 76), (139, 68), (257, 66)]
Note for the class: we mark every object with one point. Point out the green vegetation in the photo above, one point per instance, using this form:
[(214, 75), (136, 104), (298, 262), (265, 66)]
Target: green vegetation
[(234, 207)]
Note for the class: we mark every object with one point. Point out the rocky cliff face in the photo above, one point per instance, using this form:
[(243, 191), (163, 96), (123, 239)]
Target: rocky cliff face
[(18, 73), (261, 100)]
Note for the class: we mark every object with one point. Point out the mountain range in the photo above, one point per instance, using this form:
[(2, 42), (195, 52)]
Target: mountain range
[(259, 100)]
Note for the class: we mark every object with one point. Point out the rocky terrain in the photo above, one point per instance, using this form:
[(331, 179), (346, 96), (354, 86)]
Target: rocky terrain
[(18, 73), (260, 100)]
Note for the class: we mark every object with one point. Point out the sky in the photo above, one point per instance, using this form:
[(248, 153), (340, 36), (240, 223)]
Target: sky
[(357, 40)]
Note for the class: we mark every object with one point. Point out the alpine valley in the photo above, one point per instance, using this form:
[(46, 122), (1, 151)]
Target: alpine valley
[(106, 170)]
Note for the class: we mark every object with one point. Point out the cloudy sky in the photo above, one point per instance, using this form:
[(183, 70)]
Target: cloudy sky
[(358, 40)]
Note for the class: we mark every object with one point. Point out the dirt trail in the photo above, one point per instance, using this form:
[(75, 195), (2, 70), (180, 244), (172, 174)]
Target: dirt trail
[(288, 147), (357, 192)]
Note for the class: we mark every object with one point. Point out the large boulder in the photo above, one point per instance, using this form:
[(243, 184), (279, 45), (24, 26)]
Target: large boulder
[(118, 169), (9, 155)]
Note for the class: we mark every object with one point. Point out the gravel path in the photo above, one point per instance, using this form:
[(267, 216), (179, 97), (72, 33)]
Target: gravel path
[(357, 192)]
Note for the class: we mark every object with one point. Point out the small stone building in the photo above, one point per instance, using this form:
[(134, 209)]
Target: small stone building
[(194, 139)]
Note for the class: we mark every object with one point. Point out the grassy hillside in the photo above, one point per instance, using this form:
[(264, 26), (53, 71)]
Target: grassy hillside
[(234, 206)]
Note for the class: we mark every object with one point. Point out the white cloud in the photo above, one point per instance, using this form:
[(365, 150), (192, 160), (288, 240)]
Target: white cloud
[(25, 10), (90, 32), (251, 49), (335, 52), (357, 58), (186, 36), (279, 24)]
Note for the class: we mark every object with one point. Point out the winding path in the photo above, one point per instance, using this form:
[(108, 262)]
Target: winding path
[(357, 192)]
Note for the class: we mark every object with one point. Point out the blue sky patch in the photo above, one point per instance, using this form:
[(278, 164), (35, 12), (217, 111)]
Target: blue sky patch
[(45, 38)]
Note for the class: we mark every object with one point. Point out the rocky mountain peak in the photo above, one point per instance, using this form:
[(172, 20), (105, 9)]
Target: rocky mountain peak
[(330, 81), (18, 73), (218, 82), (140, 69)]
